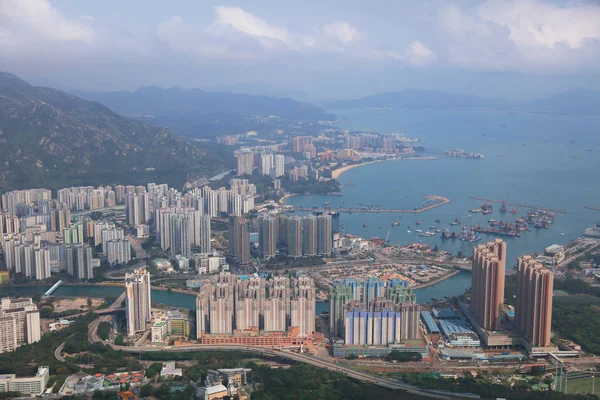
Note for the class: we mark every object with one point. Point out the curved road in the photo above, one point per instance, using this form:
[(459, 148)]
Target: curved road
[(362, 376)]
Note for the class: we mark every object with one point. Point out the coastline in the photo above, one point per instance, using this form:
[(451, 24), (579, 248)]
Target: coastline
[(336, 173), (438, 280), (287, 196)]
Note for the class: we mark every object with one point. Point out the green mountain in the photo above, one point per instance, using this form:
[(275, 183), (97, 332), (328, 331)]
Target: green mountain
[(51, 139), (201, 114)]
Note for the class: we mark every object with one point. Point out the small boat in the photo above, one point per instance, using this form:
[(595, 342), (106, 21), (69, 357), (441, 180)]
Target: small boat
[(432, 227), (395, 223), (562, 234), (418, 223), (418, 230), (409, 231), (365, 225), (437, 221)]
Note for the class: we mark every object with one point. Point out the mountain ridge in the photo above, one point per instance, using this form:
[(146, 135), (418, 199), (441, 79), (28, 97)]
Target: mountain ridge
[(199, 113), (49, 138), (576, 101)]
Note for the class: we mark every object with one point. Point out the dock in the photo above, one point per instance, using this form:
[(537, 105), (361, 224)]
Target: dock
[(508, 203), (53, 288), (440, 202)]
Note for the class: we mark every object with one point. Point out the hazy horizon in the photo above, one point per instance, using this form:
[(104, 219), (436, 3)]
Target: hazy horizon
[(514, 50)]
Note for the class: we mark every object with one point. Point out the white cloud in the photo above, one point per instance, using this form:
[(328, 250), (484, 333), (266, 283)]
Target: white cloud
[(417, 54), (22, 21), (249, 24), (341, 31), (533, 23), (522, 34)]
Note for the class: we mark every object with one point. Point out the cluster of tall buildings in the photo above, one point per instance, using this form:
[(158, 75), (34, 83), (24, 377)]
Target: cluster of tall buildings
[(533, 311), (239, 239), (304, 145), (19, 323), (272, 165), (269, 164), (10, 200), (238, 200), (181, 228), (373, 312), (375, 142), (25, 257), (138, 300), (87, 197), (230, 305), (306, 236)]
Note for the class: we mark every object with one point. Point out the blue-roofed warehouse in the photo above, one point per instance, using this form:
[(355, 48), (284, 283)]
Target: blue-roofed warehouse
[(445, 313), (429, 322)]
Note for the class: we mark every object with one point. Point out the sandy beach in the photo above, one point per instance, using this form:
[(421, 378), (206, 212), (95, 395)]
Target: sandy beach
[(336, 173)]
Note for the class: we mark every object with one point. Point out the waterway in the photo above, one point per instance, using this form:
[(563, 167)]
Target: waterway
[(450, 287), (527, 161)]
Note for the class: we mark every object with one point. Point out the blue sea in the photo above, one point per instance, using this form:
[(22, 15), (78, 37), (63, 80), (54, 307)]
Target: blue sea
[(527, 160)]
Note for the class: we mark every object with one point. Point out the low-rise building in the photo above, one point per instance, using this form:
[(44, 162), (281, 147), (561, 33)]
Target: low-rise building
[(216, 392), (34, 385), (169, 370)]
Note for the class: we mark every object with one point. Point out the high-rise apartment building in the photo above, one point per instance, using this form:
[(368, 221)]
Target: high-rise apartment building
[(265, 164), (325, 234), (268, 237), (25, 326), (299, 143), (239, 239), (294, 236), (340, 295), (79, 261), (118, 251), (245, 163), (230, 304), (279, 168), (180, 228), (533, 312), (309, 236), (487, 283), (138, 306), (303, 303)]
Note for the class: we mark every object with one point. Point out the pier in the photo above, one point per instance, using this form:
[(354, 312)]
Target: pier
[(592, 208), (440, 202), (53, 288), (508, 203)]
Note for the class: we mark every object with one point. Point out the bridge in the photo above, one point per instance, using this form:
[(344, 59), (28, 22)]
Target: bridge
[(440, 202), (53, 288)]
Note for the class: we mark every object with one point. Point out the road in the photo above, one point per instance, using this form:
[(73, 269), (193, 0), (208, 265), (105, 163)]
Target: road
[(93, 327), (140, 253), (332, 366)]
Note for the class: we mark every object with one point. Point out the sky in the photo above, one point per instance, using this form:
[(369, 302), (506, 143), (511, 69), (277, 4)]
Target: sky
[(515, 49)]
